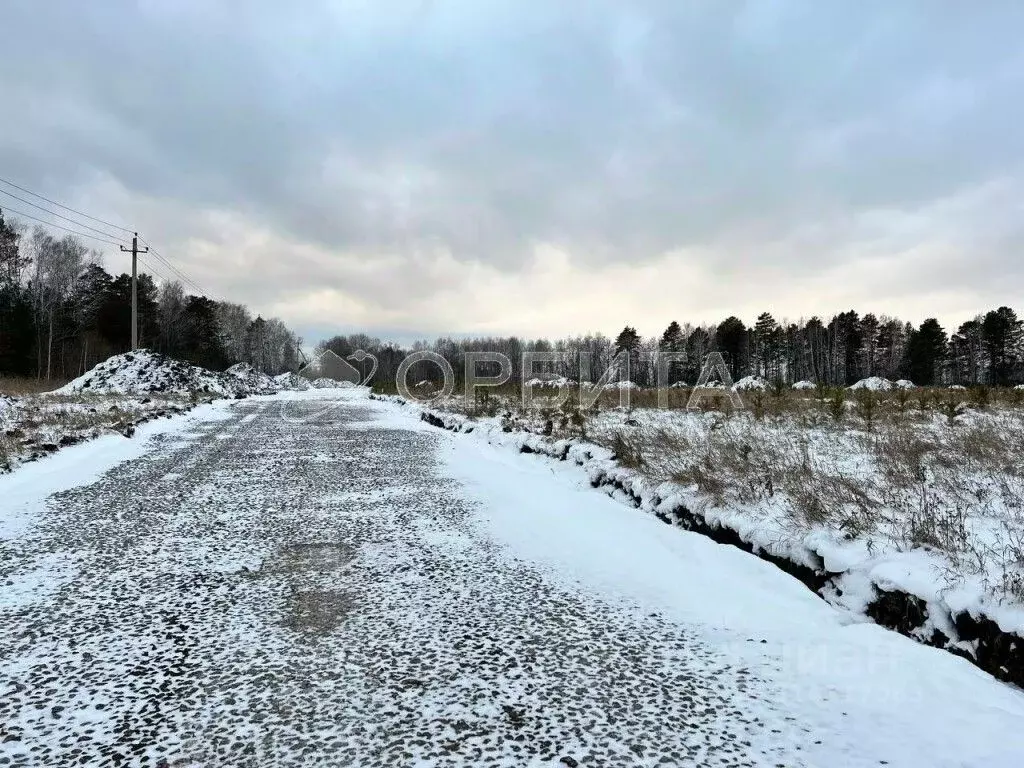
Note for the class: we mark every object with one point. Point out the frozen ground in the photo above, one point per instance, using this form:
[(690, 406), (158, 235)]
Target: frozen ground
[(317, 579)]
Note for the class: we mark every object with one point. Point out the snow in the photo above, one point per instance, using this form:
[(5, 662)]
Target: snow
[(7, 406), (883, 696), (880, 557), (874, 383), (621, 385), (80, 464), (465, 554), (255, 381), (325, 383), (292, 381), (552, 381), (145, 371), (905, 384), (749, 383), (805, 385)]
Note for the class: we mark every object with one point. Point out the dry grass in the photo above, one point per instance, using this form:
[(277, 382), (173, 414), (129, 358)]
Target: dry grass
[(17, 386), (936, 468), (924, 482), (39, 423)]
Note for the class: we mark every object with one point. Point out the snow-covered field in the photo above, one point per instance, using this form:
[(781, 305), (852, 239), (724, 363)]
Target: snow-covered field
[(927, 500), (313, 578), (116, 396), (34, 426)]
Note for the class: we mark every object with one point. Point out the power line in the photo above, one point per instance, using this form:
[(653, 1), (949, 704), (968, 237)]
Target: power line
[(180, 275), (151, 267), (65, 207), (54, 213), (58, 226), (184, 278)]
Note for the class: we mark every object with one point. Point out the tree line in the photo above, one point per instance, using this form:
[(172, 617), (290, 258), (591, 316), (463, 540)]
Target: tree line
[(61, 313), (988, 349)]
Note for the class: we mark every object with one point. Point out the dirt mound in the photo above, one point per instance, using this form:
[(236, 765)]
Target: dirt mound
[(750, 383), (146, 371), (255, 381), (332, 384), (874, 383), (292, 381)]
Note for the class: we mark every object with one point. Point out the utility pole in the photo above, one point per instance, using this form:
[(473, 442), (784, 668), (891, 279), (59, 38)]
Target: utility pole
[(135, 288)]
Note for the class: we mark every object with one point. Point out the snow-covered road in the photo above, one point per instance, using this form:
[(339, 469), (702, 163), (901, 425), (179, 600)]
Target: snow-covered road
[(319, 579)]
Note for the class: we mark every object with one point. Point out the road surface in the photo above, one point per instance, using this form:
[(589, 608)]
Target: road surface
[(319, 579)]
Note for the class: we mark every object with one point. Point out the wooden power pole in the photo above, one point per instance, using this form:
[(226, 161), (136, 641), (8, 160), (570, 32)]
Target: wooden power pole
[(135, 288)]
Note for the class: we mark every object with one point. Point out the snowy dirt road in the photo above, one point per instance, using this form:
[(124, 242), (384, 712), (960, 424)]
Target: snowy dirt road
[(319, 579)]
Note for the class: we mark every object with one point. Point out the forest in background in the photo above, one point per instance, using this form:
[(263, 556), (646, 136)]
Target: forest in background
[(61, 313), (988, 349)]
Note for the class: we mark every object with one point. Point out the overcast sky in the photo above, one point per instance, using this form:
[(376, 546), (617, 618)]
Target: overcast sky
[(540, 167)]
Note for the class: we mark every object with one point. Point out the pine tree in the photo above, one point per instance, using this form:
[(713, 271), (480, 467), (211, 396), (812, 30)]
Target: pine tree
[(673, 342), (731, 341), (870, 329), (926, 353), (672, 339), (698, 344), (767, 343), (1001, 335), (628, 342)]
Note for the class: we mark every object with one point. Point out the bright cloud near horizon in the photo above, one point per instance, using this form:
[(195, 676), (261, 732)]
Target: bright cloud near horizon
[(410, 168)]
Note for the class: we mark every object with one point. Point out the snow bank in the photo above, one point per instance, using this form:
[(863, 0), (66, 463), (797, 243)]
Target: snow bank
[(905, 384), (255, 381), (292, 382), (554, 381), (325, 383), (145, 371), (805, 385), (750, 383), (621, 385), (901, 590), (874, 383)]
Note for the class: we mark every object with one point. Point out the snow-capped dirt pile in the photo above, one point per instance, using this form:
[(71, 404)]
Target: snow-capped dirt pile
[(292, 381), (550, 381), (145, 371), (874, 383), (254, 380), (750, 383), (332, 384), (804, 385)]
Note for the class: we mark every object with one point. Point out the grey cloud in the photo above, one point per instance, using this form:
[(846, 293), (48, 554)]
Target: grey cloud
[(614, 130)]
